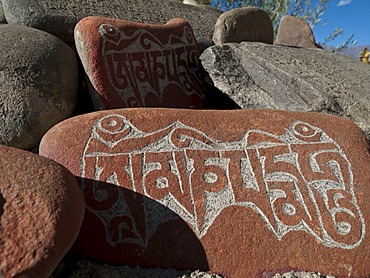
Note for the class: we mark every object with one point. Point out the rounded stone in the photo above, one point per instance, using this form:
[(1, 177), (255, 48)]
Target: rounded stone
[(41, 211), (244, 24), (295, 32), (38, 84)]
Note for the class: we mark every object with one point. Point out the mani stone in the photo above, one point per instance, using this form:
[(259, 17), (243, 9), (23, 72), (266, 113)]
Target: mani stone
[(59, 17), (132, 64), (293, 31), (257, 75), (244, 24), (255, 193), (42, 213), (38, 84)]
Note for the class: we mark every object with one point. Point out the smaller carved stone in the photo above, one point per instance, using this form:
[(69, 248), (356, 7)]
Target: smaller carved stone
[(132, 64)]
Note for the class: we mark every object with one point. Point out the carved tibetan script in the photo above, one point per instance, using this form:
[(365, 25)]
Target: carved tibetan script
[(143, 67), (300, 180)]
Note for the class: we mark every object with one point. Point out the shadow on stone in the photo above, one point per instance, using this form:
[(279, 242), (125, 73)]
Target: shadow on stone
[(125, 227), (2, 203)]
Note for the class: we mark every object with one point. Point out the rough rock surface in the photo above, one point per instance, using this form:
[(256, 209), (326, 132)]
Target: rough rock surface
[(38, 84), (42, 212), (257, 75), (293, 31), (255, 193), (244, 24), (74, 267), (132, 64), (59, 17)]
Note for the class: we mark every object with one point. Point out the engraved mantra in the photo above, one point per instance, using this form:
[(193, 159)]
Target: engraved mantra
[(140, 64), (298, 181)]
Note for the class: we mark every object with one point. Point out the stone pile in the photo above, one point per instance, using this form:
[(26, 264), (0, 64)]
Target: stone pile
[(241, 193)]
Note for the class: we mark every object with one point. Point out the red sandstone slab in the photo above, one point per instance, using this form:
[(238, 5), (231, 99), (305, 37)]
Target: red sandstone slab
[(241, 193), (41, 211), (132, 64)]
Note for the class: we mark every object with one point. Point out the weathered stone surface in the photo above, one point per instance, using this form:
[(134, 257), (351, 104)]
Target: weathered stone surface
[(258, 75), (133, 64), (42, 213), (256, 193), (85, 268), (38, 84), (59, 17), (244, 24), (293, 31)]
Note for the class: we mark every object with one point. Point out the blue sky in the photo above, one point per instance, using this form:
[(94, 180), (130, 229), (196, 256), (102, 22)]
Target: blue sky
[(353, 16)]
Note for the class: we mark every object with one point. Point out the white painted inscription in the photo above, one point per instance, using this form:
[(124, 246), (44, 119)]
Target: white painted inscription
[(300, 180)]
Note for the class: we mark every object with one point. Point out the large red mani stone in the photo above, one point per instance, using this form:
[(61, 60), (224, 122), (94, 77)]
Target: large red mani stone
[(241, 193), (132, 64)]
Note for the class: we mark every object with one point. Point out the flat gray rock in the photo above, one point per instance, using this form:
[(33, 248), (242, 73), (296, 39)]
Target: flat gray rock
[(257, 75), (38, 84), (59, 17)]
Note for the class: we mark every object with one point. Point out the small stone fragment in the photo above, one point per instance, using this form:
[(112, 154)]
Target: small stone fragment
[(244, 24), (132, 64), (2, 16), (41, 215), (293, 31)]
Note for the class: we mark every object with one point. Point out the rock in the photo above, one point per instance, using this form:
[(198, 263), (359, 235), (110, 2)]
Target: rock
[(244, 24), (84, 268), (140, 65), (195, 3), (38, 84), (59, 17), (42, 213), (2, 16), (242, 193), (293, 31), (257, 75)]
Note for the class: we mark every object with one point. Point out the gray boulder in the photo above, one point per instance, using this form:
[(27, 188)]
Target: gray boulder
[(257, 75), (38, 84), (59, 17)]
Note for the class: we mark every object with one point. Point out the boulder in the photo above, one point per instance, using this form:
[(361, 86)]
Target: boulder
[(293, 31), (38, 84), (243, 193), (59, 17), (133, 64), (257, 75), (244, 24), (41, 211)]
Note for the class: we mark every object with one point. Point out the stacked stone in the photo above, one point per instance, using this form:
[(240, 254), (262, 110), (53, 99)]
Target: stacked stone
[(147, 178)]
